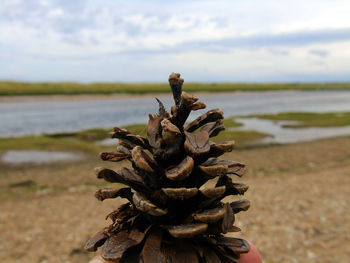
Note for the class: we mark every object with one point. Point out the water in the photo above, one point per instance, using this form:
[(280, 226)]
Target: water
[(27, 118), (38, 157), (289, 135)]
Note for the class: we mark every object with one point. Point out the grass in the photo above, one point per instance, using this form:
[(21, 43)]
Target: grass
[(140, 129), (306, 119), (89, 135), (73, 141), (230, 122), (242, 137), (70, 88), (97, 134), (44, 142), (84, 140)]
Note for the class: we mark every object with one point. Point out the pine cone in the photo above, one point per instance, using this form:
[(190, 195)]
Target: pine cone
[(174, 190)]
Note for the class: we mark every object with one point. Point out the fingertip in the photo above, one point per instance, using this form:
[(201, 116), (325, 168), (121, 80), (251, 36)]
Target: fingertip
[(96, 259), (253, 256), (99, 259)]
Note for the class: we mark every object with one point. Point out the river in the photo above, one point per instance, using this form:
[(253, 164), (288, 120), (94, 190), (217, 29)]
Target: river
[(37, 117)]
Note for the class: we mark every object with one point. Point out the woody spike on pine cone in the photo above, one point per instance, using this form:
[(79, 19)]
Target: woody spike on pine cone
[(174, 187)]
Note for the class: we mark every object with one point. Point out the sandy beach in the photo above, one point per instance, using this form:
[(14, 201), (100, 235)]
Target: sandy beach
[(299, 205)]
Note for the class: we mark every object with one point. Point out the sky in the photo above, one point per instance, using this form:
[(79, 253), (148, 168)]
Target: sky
[(144, 41)]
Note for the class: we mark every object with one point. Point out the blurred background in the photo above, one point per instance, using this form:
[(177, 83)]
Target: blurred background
[(72, 70)]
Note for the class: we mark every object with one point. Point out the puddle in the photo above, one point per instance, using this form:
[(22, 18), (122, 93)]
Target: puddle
[(289, 135), (38, 157), (107, 142)]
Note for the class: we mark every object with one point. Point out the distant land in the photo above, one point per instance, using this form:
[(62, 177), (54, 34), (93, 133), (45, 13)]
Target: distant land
[(12, 88)]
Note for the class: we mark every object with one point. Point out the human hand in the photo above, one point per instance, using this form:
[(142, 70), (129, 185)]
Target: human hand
[(253, 256)]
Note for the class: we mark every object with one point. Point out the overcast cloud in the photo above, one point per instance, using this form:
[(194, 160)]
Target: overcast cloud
[(241, 40)]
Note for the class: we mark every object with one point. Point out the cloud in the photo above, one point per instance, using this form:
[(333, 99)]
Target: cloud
[(319, 52), (290, 39), (85, 33), (278, 51)]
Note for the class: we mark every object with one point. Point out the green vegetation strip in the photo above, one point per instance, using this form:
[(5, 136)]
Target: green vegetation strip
[(66, 88), (241, 137), (230, 122), (84, 141), (306, 119), (48, 143)]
